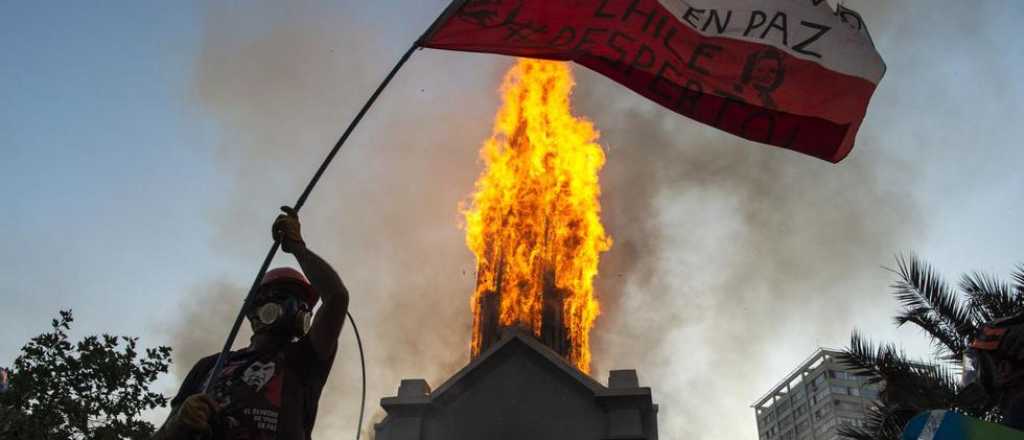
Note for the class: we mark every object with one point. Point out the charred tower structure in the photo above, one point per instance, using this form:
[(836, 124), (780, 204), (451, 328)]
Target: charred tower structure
[(553, 332), (534, 225)]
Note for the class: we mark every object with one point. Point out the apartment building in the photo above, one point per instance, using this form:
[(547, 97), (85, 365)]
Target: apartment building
[(814, 400)]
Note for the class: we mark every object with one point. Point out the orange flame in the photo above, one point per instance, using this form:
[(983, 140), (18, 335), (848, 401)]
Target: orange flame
[(536, 212)]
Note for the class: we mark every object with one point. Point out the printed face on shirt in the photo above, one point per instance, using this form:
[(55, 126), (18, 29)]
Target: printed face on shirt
[(258, 374)]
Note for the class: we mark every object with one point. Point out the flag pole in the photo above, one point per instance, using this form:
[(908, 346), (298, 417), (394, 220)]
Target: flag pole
[(219, 364)]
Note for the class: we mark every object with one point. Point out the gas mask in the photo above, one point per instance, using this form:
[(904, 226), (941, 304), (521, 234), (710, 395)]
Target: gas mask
[(280, 312)]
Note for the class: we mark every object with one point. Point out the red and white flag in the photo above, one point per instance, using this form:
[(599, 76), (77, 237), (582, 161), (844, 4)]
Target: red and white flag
[(797, 74)]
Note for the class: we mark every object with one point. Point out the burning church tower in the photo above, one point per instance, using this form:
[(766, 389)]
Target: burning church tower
[(534, 225)]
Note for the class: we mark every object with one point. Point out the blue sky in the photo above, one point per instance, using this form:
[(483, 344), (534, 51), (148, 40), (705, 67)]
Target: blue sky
[(106, 167), (143, 160)]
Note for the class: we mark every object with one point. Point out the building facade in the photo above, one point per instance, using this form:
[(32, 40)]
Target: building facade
[(814, 401), (521, 389)]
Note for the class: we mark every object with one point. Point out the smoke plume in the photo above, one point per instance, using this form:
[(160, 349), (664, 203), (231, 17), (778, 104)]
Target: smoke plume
[(731, 262), (730, 257)]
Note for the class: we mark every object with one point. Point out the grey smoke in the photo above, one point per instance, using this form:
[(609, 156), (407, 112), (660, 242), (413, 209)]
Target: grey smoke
[(732, 261), (729, 256), (210, 310), (386, 213)]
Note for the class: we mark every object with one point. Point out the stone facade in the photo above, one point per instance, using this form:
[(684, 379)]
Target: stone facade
[(521, 389)]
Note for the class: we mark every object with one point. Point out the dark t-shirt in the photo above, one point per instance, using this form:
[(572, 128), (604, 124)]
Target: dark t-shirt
[(263, 396)]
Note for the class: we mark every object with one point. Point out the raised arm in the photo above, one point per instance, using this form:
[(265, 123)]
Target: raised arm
[(330, 318)]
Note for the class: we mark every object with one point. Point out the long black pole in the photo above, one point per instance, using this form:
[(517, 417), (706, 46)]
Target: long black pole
[(219, 365)]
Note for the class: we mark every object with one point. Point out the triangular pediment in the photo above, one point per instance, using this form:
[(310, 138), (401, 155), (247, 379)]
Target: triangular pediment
[(514, 342), (519, 388)]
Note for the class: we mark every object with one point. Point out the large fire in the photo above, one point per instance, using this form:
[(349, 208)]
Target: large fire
[(534, 222)]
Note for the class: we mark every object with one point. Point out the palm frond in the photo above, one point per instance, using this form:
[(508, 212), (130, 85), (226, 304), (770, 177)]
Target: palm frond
[(942, 338), (880, 423), (875, 363), (990, 298), (909, 386), (1018, 280), (862, 358), (920, 387), (921, 290), (940, 386), (949, 318), (860, 433)]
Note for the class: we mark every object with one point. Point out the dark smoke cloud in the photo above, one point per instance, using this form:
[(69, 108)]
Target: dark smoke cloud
[(732, 261), (729, 256)]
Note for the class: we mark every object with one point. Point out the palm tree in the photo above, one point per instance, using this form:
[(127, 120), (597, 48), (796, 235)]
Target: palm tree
[(949, 317)]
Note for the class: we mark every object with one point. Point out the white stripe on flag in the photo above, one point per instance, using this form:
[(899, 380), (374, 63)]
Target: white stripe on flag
[(811, 30), (932, 426)]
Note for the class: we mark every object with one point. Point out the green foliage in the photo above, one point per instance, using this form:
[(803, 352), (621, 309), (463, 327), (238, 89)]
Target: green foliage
[(96, 388), (950, 318)]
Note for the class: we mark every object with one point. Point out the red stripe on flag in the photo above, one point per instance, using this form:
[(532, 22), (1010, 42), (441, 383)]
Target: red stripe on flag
[(749, 89), (994, 331), (985, 345)]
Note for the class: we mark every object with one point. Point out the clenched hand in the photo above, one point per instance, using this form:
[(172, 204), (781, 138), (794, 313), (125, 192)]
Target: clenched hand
[(288, 231), (194, 414)]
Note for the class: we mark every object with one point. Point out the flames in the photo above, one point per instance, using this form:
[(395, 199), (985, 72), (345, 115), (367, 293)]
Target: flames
[(535, 220)]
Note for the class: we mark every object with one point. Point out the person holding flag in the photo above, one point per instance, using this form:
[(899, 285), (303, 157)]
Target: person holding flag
[(270, 389), (795, 74)]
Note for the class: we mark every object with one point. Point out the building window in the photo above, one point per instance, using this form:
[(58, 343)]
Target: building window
[(821, 413), (870, 393), (847, 406), (782, 406), (786, 421), (819, 380), (826, 425), (851, 422), (821, 396), (844, 375), (854, 391)]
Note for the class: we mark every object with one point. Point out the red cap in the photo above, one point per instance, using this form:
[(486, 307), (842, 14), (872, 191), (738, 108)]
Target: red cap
[(294, 277)]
